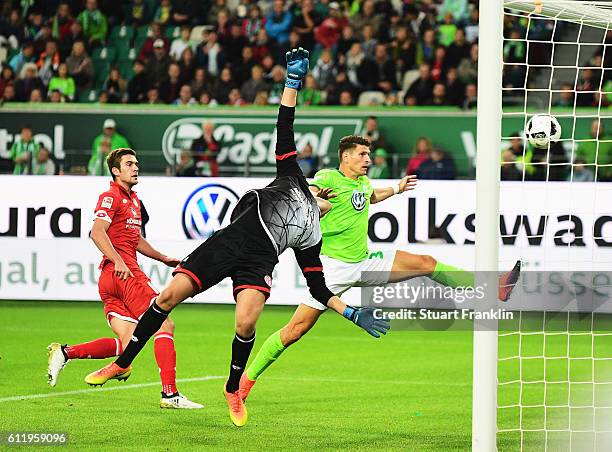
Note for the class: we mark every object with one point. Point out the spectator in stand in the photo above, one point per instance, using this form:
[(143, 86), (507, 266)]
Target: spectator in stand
[(61, 22), (108, 140), (80, 66), (210, 55), (180, 43), (169, 89), (325, 71), (471, 97), (156, 35), (585, 96), (341, 84), (468, 68), (278, 22), (157, 66), (447, 30), (214, 10), (223, 86), (49, 62), (346, 98), (55, 97), (185, 96), (458, 50), (25, 55), (439, 66), (24, 151), (187, 64), (253, 23), (10, 94), (517, 145), (235, 99), (471, 27), (367, 16), (509, 171), (94, 23), (115, 86), (261, 99), (179, 12), (13, 28), (76, 35), (200, 83), (153, 97), (164, 13), (242, 68), (426, 48), (186, 165), (422, 151), (455, 91), (581, 173), (328, 33), (310, 94), (403, 50), (138, 85), (63, 83), (255, 84), (346, 40), (234, 44), (372, 132), (368, 43), (205, 149), (422, 87), (305, 23), (439, 95), (276, 85), (7, 77), (137, 13), (438, 166), (380, 169), (27, 81), (566, 96), (306, 161), (263, 46), (42, 165), (458, 9), (36, 96), (598, 151)]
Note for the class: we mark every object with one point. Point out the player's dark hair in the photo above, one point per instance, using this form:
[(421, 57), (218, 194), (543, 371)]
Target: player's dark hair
[(350, 142), (114, 158)]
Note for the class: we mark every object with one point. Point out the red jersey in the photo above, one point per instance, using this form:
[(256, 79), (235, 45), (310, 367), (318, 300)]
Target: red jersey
[(122, 210)]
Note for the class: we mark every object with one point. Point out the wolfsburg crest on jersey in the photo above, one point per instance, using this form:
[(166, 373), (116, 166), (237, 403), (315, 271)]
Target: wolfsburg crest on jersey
[(359, 200)]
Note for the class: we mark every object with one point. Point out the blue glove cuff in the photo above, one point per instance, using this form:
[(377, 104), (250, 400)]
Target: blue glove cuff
[(349, 313), (293, 83)]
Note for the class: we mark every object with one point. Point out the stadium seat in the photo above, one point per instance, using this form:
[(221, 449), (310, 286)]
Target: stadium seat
[(3, 55), (371, 98), (125, 52), (87, 96), (409, 78), (196, 33), (142, 32), (125, 68), (121, 33), (107, 54), (172, 32), (101, 68)]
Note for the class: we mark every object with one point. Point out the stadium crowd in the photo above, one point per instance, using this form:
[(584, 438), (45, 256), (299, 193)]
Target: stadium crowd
[(231, 52)]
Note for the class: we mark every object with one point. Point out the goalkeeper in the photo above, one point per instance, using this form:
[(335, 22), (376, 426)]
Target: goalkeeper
[(266, 222), (345, 255)]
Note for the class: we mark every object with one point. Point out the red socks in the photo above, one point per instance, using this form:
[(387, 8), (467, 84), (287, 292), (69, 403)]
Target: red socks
[(165, 355), (104, 347)]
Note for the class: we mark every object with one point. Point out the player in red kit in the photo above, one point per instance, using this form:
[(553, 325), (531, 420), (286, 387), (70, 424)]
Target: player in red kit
[(124, 289)]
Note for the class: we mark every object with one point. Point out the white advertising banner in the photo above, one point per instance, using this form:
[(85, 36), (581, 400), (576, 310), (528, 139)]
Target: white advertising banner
[(45, 252)]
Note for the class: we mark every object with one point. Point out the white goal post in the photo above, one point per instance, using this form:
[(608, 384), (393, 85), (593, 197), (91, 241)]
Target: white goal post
[(583, 15)]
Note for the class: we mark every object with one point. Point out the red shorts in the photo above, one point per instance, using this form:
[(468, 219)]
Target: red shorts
[(125, 299)]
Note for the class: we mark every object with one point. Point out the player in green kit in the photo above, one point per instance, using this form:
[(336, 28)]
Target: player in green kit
[(345, 256)]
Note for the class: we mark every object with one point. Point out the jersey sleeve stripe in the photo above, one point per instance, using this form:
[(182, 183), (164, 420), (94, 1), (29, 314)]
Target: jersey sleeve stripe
[(312, 269), (286, 155)]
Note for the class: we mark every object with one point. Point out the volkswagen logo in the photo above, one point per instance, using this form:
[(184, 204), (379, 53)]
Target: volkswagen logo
[(207, 210)]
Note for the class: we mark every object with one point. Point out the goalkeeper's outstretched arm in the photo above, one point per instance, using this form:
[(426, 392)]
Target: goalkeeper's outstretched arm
[(286, 152)]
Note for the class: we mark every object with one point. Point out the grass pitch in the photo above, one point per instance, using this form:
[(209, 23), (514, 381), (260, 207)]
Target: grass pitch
[(335, 389)]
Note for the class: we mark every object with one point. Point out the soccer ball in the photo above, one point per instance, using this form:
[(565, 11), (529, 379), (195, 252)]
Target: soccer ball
[(543, 129)]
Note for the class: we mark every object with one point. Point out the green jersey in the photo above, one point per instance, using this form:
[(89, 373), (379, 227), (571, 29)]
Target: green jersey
[(21, 148), (345, 227)]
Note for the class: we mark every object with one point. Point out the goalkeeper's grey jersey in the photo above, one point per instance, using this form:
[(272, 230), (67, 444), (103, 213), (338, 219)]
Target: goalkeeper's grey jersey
[(289, 213)]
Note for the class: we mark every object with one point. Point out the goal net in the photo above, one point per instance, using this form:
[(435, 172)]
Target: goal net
[(554, 359)]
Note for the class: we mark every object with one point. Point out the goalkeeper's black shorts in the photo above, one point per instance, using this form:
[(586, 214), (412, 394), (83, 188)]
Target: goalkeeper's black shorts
[(242, 251)]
